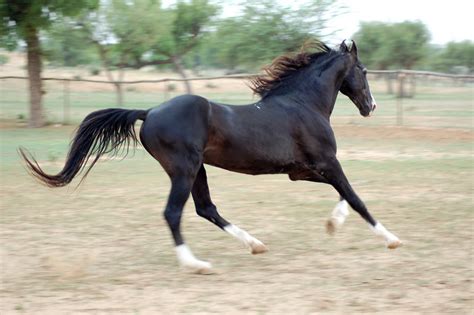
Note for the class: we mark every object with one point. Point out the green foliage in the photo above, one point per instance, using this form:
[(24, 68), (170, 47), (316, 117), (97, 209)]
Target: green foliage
[(135, 28), (140, 33), (17, 18), (455, 57), (188, 23), (66, 45), (265, 30), (392, 45)]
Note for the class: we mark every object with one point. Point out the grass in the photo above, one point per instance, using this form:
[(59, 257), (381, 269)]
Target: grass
[(104, 247), (434, 105)]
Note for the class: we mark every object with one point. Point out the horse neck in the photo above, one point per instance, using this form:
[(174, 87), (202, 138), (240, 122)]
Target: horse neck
[(327, 84)]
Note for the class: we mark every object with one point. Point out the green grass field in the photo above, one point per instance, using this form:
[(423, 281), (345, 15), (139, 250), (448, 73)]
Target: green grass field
[(104, 247), (434, 105)]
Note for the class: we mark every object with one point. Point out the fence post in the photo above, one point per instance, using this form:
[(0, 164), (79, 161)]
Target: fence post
[(66, 103), (400, 94)]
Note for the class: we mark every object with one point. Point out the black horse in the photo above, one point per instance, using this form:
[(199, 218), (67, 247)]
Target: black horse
[(286, 132)]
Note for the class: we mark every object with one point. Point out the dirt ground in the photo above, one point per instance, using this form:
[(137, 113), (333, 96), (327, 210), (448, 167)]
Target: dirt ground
[(104, 248)]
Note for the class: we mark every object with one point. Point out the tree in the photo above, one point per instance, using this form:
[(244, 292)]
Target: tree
[(393, 45), (188, 22), (455, 57), (119, 45), (265, 30), (158, 37), (63, 45), (24, 20), (408, 43)]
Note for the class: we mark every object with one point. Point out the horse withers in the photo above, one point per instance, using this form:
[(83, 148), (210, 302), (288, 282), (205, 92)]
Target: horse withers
[(287, 131)]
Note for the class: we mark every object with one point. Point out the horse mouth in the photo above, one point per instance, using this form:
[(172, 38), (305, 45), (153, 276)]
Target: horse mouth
[(369, 110), (366, 112)]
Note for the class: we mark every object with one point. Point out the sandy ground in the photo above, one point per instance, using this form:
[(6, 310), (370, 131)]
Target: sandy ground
[(105, 249)]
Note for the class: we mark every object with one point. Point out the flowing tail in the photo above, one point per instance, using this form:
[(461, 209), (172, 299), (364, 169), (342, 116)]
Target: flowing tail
[(108, 131)]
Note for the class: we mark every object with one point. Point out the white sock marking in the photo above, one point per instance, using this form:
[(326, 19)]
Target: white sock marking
[(338, 216), (187, 260), (340, 212), (248, 240), (390, 238)]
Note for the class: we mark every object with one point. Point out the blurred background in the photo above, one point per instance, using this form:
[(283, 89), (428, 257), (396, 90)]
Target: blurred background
[(104, 247)]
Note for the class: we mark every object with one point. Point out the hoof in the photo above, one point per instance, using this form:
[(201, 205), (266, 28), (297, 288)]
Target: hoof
[(394, 244), (258, 248), (331, 226), (199, 267)]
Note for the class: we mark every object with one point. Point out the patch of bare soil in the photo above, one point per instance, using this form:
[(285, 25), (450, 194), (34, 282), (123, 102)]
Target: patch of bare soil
[(392, 132), (105, 249)]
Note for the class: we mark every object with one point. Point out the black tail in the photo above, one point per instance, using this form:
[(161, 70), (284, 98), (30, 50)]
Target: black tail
[(104, 131)]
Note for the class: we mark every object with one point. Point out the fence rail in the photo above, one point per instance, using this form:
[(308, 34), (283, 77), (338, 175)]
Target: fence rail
[(389, 83), (250, 75)]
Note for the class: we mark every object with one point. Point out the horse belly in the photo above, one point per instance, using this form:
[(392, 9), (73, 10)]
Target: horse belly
[(241, 160)]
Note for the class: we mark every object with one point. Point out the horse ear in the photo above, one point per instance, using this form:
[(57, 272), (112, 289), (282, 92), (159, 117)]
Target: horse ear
[(354, 48), (348, 46), (343, 48)]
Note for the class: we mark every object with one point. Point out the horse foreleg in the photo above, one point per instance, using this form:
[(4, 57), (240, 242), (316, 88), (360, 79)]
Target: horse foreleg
[(340, 211), (206, 209), (332, 171)]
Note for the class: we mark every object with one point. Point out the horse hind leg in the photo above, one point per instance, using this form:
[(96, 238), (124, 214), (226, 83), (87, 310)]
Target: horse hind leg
[(206, 209), (182, 167), (338, 216), (180, 190)]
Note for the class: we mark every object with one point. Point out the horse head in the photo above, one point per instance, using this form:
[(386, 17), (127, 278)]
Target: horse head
[(355, 85)]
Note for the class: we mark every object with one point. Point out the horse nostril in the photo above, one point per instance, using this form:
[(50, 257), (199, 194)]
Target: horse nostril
[(374, 106)]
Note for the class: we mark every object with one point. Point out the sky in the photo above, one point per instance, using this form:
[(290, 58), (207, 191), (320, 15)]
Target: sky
[(447, 20), (450, 20)]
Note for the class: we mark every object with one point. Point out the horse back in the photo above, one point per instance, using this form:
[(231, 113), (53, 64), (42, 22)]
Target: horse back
[(252, 139)]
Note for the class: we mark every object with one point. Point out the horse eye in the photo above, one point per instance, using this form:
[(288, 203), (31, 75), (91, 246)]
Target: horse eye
[(364, 71)]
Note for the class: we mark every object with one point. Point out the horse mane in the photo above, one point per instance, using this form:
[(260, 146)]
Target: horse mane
[(285, 65)]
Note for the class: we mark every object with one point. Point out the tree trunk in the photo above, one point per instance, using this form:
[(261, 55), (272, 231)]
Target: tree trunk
[(180, 70), (34, 76)]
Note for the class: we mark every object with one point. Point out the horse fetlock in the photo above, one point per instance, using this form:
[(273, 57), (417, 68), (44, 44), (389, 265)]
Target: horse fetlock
[(338, 217), (391, 240), (392, 244), (257, 247), (190, 263), (198, 267)]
